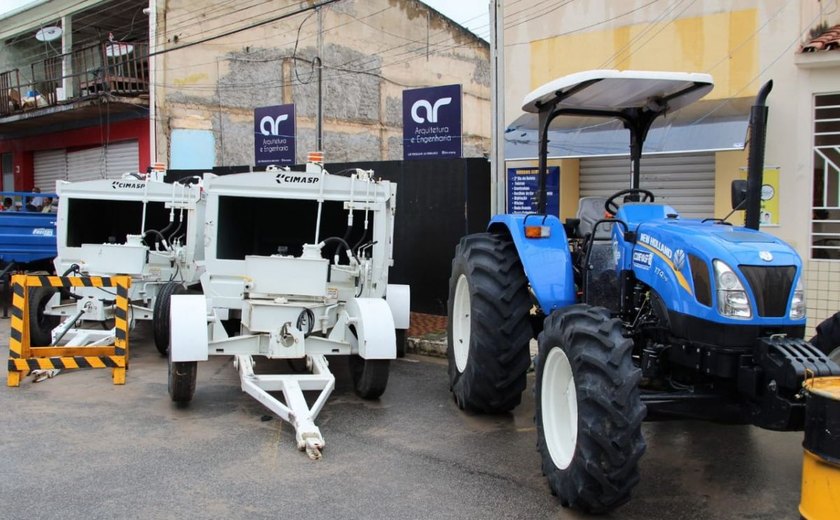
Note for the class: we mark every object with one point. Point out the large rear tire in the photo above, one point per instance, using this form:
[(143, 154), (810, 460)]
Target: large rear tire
[(40, 324), (488, 330), (160, 319), (588, 409)]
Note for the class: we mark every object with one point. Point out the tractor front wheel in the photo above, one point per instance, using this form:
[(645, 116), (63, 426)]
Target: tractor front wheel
[(588, 409), (489, 330)]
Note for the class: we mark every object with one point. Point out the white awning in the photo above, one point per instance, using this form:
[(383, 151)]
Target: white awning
[(683, 131)]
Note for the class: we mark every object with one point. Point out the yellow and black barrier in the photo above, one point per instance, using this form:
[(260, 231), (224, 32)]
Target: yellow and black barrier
[(23, 357)]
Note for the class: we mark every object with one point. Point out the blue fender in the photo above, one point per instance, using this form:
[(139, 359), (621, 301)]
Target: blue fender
[(547, 261)]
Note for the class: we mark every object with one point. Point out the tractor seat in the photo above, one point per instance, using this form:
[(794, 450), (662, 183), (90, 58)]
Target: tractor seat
[(590, 211)]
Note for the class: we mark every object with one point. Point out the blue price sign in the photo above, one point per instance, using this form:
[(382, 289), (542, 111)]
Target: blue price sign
[(274, 135), (432, 123), (523, 184)]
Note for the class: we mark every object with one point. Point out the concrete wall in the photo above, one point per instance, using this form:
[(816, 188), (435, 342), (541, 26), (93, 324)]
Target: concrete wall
[(371, 50), (742, 43)]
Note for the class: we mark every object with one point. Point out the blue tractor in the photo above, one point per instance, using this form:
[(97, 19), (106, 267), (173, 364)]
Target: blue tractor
[(639, 313)]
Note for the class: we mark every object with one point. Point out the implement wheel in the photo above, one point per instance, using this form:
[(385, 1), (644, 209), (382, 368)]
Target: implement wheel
[(182, 376), (160, 319), (588, 409), (488, 330), (402, 342), (40, 324), (370, 376)]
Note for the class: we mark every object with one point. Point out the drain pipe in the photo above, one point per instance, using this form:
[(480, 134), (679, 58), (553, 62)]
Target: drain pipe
[(755, 165)]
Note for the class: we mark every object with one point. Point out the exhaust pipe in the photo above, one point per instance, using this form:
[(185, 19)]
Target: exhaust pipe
[(755, 165)]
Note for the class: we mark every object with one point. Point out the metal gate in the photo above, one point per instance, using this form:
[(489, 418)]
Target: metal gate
[(121, 158), (686, 182), (86, 165), (50, 166)]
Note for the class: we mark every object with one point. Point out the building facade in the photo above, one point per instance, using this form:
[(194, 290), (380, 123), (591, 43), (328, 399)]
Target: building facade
[(696, 153), (95, 88)]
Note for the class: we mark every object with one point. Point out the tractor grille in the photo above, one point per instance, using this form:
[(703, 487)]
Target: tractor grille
[(771, 287)]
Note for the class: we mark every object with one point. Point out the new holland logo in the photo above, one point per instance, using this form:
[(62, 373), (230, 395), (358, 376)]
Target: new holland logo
[(286, 178), (767, 256), (679, 259), (117, 185)]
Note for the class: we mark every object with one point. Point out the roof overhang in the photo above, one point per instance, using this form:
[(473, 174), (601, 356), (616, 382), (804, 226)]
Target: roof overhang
[(69, 116)]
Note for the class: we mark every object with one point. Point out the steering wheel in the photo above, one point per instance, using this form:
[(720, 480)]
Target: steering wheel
[(612, 207)]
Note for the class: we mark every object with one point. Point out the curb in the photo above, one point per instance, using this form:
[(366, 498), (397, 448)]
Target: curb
[(432, 344)]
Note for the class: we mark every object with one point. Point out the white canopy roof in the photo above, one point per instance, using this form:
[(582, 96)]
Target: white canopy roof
[(614, 90)]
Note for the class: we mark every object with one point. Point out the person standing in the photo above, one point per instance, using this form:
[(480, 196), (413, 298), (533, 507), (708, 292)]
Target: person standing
[(35, 203)]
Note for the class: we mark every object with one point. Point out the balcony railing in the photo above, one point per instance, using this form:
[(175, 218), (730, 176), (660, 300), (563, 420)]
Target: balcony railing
[(116, 68)]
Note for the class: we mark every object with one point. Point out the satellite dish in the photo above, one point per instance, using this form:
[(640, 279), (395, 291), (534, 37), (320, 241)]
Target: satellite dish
[(48, 34)]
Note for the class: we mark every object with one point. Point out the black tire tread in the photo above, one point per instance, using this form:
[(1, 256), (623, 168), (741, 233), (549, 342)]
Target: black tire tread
[(500, 328), (370, 376), (161, 315), (402, 339), (828, 334), (182, 376), (605, 468), (40, 325)]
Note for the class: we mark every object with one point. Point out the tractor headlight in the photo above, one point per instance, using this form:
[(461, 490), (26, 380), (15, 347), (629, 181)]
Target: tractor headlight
[(732, 300), (797, 305)]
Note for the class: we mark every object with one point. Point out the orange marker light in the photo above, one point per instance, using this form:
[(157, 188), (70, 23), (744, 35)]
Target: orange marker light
[(537, 231)]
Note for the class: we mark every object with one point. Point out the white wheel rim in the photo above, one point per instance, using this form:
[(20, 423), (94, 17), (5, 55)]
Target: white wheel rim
[(461, 323), (559, 408)]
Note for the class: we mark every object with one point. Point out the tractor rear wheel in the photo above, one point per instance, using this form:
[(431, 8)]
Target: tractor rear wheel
[(160, 319), (588, 409), (40, 324), (489, 330), (370, 376)]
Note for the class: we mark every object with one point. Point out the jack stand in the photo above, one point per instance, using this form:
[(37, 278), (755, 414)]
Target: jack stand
[(296, 412)]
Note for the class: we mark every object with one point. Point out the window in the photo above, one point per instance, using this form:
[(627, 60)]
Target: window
[(825, 218)]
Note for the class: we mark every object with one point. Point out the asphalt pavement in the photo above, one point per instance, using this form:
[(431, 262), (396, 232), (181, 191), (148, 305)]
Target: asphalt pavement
[(77, 446)]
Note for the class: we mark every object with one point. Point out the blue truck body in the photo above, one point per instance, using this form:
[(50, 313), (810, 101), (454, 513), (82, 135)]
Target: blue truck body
[(26, 237)]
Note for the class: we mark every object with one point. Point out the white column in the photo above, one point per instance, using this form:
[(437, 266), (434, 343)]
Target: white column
[(153, 47), (67, 51), (498, 186)]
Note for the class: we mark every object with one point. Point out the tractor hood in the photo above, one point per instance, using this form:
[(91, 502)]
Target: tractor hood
[(709, 240), (676, 257)]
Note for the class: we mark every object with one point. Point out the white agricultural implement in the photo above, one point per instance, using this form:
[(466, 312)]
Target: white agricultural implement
[(137, 226), (296, 268)]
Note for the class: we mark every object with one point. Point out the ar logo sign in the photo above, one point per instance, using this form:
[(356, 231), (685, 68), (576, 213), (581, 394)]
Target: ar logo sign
[(273, 124), (430, 110)]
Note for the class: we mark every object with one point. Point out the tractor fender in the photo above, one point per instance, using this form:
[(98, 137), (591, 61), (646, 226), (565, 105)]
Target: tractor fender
[(547, 261), (374, 325), (399, 300), (188, 327)]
